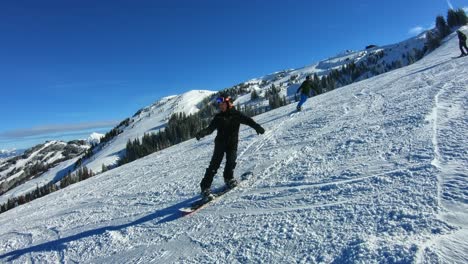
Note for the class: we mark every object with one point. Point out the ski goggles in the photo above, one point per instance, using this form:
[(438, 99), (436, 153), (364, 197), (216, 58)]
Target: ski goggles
[(220, 100)]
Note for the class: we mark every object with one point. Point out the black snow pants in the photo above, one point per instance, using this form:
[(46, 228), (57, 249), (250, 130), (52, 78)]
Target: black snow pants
[(216, 159)]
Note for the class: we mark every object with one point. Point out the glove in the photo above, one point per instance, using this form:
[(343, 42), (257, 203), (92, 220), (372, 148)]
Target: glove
[(260, 130)]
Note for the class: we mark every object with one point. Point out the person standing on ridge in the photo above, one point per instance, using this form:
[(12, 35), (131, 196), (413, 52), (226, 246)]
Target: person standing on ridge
[(227, 122), (306, 87), (462, 43)]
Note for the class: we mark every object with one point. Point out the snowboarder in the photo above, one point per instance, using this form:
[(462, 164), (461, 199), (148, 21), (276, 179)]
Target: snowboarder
[(227, 122), (306, 87), (462, 42)]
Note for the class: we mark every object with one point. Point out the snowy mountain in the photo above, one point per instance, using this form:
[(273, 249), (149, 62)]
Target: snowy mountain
[(37, 160), (371, 61), (373, 172), (147, 120), (94, 138)]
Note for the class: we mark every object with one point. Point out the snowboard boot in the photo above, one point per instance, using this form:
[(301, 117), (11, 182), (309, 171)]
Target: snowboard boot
[(231, 183), (299, 108), (207, 195)]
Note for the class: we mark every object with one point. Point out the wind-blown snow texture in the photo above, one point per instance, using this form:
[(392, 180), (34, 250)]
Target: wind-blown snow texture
[(371, 172)]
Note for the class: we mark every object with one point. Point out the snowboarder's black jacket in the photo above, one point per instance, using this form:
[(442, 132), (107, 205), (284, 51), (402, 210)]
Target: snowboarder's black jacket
[(308, 86), (228, 123)]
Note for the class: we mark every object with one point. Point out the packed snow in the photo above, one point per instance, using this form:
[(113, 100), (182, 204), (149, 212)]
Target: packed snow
[(374, 172)]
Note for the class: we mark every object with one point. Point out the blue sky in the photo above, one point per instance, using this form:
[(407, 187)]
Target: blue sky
[(68, 68)]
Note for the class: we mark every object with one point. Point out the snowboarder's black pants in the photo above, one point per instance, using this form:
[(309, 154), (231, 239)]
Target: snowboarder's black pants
[(218, 154), (463, 45)]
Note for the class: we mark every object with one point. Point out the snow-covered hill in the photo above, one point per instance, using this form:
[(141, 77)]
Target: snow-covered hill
[(36, 160), (375, 60), (94, 138), (374, 172), (147, 120)]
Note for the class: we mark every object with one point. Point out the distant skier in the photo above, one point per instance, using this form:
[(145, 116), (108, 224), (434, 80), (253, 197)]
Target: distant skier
[(306, 87), (462, 42), (227, 122)]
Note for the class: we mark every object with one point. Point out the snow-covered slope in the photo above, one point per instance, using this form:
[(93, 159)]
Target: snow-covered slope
[(374, 172)]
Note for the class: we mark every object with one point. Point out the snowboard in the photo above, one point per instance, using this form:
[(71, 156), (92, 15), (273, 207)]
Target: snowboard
[(200, 204), (461, 56), (296, 112)]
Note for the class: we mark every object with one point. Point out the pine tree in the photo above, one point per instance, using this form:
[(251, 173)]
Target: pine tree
[(11, 204), (452, 19), (254, 95), (442, 27), (456, 18), (53, 187), (323, 84), (21, 200), (462, 18), (433, 40)]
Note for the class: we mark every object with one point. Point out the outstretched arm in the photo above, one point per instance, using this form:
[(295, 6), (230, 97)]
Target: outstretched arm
[(207, 130), (301, 86), (299, 89), (251, 123)]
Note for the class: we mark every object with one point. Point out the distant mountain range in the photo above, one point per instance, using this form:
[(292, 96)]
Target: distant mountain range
[(4, 153), (33, 162)]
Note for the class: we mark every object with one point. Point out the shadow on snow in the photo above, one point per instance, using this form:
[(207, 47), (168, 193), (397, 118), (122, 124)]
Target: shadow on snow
[(168, 214)]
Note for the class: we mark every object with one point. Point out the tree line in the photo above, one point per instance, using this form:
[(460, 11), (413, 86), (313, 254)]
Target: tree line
[(180, 127), (455, 18), (81, 174)]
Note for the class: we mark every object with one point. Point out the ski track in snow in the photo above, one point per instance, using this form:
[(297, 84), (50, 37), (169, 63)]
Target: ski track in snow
[(374, 172), (450, 158)]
